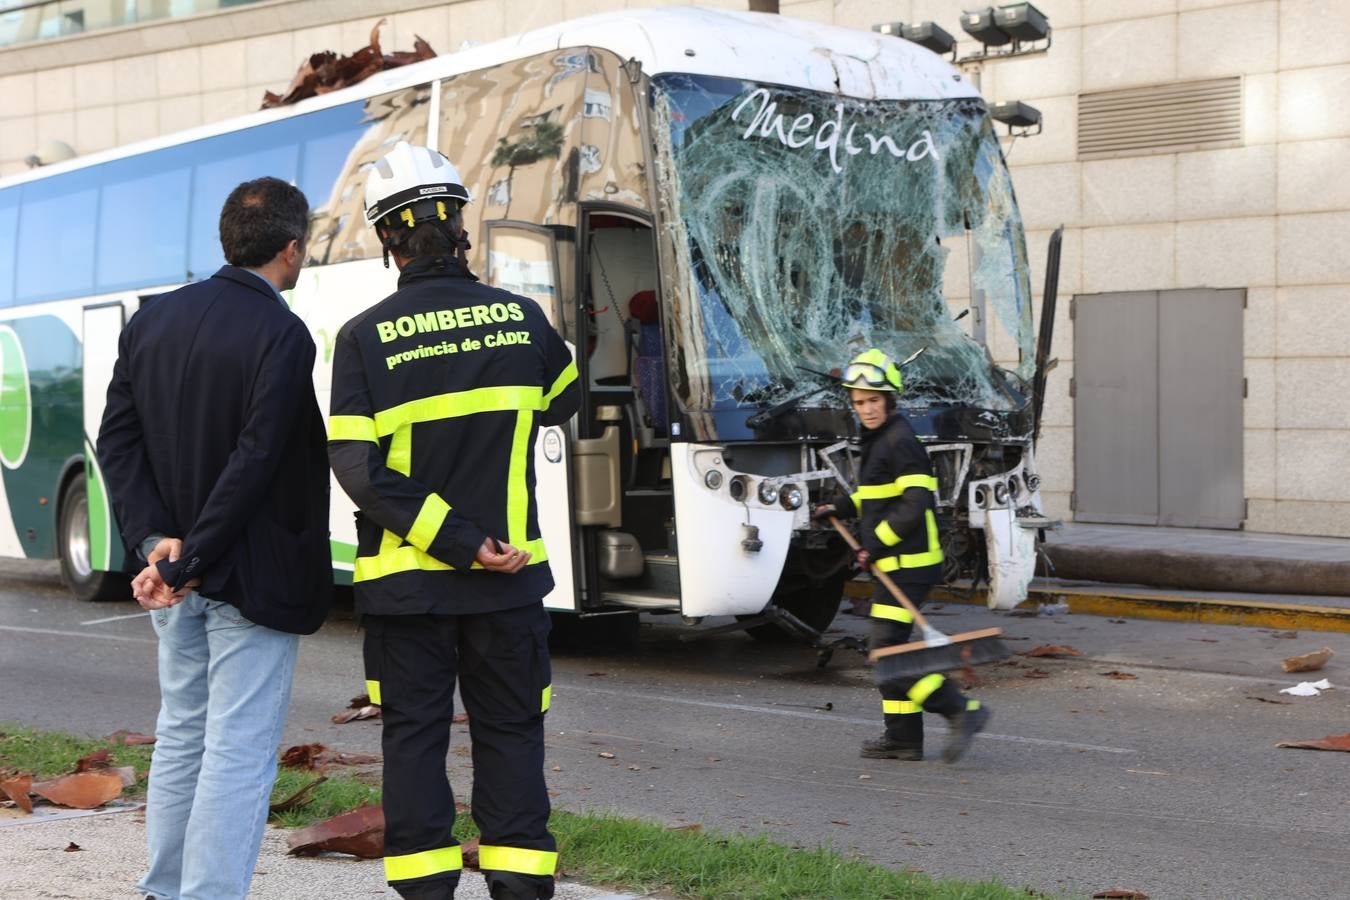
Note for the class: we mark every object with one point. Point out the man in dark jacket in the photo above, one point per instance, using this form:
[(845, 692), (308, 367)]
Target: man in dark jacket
[(438, 394), (896, 503), (213, 448)]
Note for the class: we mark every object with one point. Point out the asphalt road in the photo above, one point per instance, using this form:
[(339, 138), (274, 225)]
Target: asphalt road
[(1168, 782)]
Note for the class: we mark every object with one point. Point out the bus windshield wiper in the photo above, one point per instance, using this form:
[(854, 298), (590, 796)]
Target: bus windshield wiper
[(764, 417)]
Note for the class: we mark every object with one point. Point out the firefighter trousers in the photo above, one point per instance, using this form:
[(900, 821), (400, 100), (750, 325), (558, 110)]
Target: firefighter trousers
[(903, 704), (501, 662)]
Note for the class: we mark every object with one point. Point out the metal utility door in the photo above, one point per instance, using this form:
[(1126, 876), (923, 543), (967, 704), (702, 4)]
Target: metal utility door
[(1158, 393)]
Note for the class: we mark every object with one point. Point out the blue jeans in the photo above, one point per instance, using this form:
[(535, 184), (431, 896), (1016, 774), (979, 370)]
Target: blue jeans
[(224, 687)]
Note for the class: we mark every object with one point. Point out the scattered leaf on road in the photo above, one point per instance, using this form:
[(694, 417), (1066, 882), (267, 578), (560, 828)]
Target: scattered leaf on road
[(124, 738), (1120, 894), (469, 853), (83, 790), (73, 847), (359, 833), (1330, 742), (1036, 673), (1285, 635), (605, 754), (692, 826), (302, 756), (839, 822), (557, 768), (351, 715), (596, 674), (1120, 676), (1053, 651), (16, 788), (1267, 700), (1308, 662), (460, 718)]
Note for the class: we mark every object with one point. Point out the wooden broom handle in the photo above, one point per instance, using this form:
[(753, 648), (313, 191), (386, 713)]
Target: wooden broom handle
[(882, 576)]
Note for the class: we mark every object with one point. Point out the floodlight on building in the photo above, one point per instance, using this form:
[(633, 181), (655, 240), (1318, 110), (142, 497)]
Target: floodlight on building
[(981, 25), (928, 35), (1021, 118), (1023, 21), (931, 36), (49, 152)]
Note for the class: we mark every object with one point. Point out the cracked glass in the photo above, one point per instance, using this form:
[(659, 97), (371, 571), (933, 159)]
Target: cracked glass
[(814, 226)]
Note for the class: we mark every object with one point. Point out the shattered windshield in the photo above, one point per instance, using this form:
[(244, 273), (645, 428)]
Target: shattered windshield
[(816, 226)]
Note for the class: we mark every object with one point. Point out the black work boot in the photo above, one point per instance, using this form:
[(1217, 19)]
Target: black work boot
[(515, 886), (886, 747), (961, 730)]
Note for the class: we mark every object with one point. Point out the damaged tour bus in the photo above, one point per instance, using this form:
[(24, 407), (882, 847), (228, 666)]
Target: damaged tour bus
[(715, 209)]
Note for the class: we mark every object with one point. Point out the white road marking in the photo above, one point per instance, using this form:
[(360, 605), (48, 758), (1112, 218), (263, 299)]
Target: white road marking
[(78, 634), (117, 618), (827, 717)]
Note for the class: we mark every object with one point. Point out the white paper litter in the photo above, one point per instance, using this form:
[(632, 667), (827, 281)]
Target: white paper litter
[(1307, 688)]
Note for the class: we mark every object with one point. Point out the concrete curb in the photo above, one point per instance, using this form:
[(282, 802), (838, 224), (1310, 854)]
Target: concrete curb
[(1144, 603), (1182, 570)]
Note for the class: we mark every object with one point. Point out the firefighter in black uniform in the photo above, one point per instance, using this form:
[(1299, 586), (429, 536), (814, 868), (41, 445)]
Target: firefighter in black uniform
[(896, 501), (438, 394)]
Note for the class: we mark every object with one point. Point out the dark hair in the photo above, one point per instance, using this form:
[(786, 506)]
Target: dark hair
[(259, 219), (426, 240)]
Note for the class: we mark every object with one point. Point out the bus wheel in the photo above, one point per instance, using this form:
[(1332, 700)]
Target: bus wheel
[(72, 537), (813, 600)]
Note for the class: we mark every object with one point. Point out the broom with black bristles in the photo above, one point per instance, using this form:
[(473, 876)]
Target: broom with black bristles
[(900, 665)]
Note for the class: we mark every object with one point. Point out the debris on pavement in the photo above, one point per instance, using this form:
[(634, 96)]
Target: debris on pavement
[(1054, 651), (73, 847), (605, 754), (124, 738), (298, 798), (327, 71), (1308, 662), (17, 788), (1120, 676), (359, 708), (1120, 894), (1285, 635), (1307, 688), (81, 790), (1036, 673), (1267, 700), (1339, 742), (358, 833)]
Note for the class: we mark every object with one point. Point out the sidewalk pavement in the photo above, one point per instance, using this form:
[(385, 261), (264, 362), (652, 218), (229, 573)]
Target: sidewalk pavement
[(112, 856), (1200, 559)]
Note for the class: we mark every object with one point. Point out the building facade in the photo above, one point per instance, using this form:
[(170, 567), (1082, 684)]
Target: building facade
[(1193, 150)]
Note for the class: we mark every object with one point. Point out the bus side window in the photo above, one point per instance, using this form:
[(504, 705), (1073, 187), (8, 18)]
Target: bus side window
[(224, 162), (55, 255), (9, 225), (339, 148), (142, 221)]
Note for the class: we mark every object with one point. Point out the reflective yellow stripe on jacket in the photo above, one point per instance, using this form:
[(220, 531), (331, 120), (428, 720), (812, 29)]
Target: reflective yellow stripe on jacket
[(407, 553)]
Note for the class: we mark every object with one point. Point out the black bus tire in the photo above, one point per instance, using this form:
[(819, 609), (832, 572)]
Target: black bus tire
[(72, 543)]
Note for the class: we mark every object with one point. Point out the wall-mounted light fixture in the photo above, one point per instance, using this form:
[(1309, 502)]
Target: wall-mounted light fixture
[(1020, 24), (928, 35), (1021, 118)]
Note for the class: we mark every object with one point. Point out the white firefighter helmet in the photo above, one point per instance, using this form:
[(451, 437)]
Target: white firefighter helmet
[(404, 177)]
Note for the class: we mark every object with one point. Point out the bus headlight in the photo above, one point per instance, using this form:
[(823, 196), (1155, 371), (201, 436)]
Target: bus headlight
[(712, 479), (790, 496), (768, 493)]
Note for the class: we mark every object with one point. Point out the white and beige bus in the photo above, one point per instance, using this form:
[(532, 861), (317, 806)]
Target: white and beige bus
[(715, 208)]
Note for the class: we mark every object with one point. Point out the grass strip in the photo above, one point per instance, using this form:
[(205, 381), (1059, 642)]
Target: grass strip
[(626, 854), (47, 754), (641, 857)]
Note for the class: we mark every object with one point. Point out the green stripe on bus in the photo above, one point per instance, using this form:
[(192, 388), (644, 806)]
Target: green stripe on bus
[(16, 412), (100, 542), (342, 552)]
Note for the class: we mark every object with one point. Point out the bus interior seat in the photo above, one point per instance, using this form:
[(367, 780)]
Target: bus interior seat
[(648, 367)]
